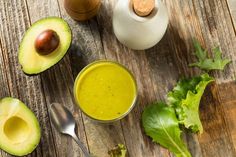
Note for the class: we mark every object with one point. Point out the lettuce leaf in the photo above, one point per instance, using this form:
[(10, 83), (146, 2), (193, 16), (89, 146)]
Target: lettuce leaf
[(118, 151), (205, 63), (160, 123), (185, 99)]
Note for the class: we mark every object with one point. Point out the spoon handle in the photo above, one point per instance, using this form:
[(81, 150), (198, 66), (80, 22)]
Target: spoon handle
[(81, 145)]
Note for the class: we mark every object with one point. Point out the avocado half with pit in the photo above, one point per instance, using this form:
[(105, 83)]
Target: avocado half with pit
[(44, 44), (19, 128)]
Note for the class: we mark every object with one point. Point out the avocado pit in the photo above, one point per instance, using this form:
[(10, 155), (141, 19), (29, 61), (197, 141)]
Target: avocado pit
[(46, 42)]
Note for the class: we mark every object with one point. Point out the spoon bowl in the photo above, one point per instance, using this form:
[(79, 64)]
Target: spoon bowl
[(64, 122), (62, 118)]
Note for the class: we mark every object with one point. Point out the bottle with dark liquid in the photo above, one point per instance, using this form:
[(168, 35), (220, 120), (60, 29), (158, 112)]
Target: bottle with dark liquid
[(82, 10)]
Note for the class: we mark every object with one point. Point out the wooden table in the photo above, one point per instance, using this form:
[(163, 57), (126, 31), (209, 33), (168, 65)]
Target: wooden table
[(212, 22)]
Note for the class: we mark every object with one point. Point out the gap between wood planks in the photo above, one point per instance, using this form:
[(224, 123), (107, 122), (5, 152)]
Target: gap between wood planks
[(232, 15), (46, 100), (101, 55), (44, 97), (105, 56), (117, 58), (5, 68)]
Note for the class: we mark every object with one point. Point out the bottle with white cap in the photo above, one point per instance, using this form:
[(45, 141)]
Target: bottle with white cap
[(140, 24)]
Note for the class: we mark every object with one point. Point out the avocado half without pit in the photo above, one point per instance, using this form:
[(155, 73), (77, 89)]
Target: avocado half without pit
[(44, 44), (19, 128)]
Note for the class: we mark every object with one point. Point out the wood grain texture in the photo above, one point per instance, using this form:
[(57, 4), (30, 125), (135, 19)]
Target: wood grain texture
[(156, 70), (14, 22), (58, 83), (137, 61), (210, 23), (87, 47), (217, 135), (228, 101), (232, 9)]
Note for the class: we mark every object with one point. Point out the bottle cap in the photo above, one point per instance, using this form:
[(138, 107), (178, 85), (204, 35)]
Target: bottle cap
[(143, 7)]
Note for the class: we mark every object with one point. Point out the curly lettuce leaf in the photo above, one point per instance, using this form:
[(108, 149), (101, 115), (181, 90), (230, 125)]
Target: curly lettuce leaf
[(205, 63), (118, 151), (185, 98), (160, 123)]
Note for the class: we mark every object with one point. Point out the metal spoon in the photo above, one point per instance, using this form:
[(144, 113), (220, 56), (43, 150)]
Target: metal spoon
[(64, 121)]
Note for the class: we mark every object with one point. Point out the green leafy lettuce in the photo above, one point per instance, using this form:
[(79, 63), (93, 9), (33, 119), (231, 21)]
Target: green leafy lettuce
[(118, 151), (205, 63), (160, 123), (185, 99)]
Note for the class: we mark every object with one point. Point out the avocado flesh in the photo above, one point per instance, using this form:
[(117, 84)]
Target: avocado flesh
[(30, 60), (19, 128)]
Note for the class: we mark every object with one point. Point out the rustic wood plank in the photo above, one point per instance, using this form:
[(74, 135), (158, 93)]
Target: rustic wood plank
[(232, 8), (141, 67), (210, 22), (144, 65), (137, 143), (4, 92), (3, 78), (156, 71), (221, 32), (58, 84), (228, 101), (87, 47), (186, 31), (14, 21), (217, 135)]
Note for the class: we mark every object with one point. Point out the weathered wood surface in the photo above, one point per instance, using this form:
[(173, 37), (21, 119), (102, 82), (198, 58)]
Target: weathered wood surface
[(213, 22)]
